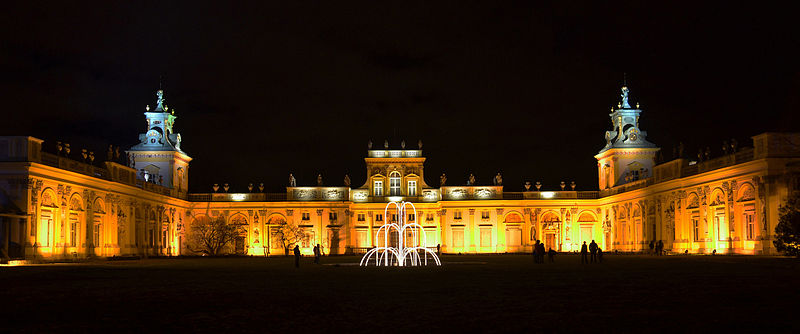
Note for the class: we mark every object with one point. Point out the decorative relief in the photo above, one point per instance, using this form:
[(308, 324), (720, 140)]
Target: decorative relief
[(75, 204), (359, 196), (458, 193), (304, 194), (499, 212), (334, 194), (48, 200), (289, 212), (485, 193)]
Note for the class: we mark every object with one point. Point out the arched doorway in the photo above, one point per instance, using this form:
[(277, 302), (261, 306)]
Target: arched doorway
[(239, 221), (551, 224), (513, 223)]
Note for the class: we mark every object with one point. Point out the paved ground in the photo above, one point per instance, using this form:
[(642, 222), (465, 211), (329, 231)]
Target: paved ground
[(508, 293)]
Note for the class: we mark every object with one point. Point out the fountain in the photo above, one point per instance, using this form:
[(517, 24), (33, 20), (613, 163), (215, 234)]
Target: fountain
[(407, 252)]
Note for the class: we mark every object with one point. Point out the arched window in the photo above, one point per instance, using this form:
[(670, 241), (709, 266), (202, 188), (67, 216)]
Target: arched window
[(394, 183)]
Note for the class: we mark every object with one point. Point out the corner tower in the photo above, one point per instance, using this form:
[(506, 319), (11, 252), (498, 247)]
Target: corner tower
[(158, 157), (627, 156)]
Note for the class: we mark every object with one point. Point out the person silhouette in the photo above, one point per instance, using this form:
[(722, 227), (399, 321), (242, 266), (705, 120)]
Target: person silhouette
[(593, 250), (584, 253), (317, 253), (599, 255), (296, 256), (551, 255), (535, 252)]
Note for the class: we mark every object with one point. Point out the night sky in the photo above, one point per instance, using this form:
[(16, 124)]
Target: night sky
[(274, 87)]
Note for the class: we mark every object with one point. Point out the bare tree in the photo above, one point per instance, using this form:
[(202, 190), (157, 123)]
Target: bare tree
[(288, 235), (210, 236)]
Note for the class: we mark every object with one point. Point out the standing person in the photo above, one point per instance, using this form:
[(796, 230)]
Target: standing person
[(439, 249), (584, 253), (535, 252), (599, 255), (660, 247), (296, 256), (593, 250), (317, 254), (540, 252), (551, 254), (652, 244)]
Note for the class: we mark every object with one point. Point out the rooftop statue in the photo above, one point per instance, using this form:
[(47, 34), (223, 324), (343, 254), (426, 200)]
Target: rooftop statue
[(442, 180), (292, 180), (498, 179), (160, 100), (346, 180), (319, 180), (471, 181), (624, 96)]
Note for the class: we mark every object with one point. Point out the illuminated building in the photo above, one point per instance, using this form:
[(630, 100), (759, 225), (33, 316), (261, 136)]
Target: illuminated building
[(55, 207)]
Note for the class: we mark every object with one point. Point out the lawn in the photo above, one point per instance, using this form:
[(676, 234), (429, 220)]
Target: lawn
[(497, 293)]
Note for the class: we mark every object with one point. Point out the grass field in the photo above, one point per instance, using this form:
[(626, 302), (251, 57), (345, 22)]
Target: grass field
[(498, 293)]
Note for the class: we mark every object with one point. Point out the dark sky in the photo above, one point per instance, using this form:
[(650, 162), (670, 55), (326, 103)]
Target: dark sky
[(274, 87)]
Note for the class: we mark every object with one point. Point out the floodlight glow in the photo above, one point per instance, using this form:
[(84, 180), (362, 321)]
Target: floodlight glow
[(407, 252), (548, 194), (395, 198), (238, 197)]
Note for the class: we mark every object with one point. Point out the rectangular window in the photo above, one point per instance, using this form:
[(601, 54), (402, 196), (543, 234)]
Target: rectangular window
[(485, 214), (379, 217), (73, 233), (457, 215), (394, 186), (306, 216), (394, 217), (361, 217), (332, 216), (411, 217), (47, 224), (486, 237), (377, 189), (696, 225), (412, 188), (750, 224), (458, 238), (363, 241), (96, 235), (306, 240), (429, 217)]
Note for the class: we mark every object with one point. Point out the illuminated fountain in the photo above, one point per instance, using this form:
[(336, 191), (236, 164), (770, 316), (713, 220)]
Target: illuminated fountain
[(407, 252)]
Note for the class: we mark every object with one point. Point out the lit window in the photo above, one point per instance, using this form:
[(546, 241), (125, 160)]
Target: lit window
[(73, 233), (96, 235), (750, 224), (457, 215), (485, 214), (306, 216), (696, 224), (412, 188), (361, 217), (377, 189), (394, 184)]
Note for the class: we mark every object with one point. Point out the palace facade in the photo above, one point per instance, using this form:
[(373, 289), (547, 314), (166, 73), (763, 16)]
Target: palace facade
[(55, 207)]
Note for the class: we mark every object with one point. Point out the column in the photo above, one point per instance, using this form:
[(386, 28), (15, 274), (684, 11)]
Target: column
[(473, 231)]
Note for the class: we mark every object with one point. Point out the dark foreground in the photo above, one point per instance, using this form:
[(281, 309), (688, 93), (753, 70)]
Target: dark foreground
[(506, 294)]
